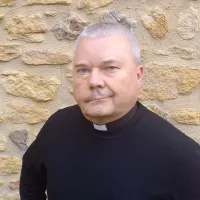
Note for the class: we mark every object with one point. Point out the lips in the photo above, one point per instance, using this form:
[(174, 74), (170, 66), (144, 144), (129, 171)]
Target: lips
[(97, 99), (97, 94)]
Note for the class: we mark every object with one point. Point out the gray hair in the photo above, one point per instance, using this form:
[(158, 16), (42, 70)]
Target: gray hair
[(104, 29)]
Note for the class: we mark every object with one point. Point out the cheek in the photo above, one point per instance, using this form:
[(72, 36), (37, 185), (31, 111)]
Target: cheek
[(79, 90), (126, 87)]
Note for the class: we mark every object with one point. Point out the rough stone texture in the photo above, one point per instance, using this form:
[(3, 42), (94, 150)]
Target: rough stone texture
[(70, 79), (47, 2), (188, 24), (9, 197), (117, 17), (3, 143), (162, 52), (10, 165), (14, 185), (69, 27), (1, 183), (182, 52), (158, 111), (51, 13), (21, 112), (31, 86), (187, 116), (46, 57), (7, 2), (26, 27), (1, 15), (156, 23), (19, 137), (185, 53), (93, 4), (167, 82), (142, 52), (37, 38), (9, 52)]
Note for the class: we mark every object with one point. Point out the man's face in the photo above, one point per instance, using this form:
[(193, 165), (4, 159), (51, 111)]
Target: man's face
[(105, 78)]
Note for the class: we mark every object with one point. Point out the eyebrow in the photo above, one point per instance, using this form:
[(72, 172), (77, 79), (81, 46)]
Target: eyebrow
[(110, 61), (80, 65), (105, 62)]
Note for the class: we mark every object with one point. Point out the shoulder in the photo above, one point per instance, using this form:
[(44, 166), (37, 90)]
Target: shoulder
[(163, 131), (66, 114), (170, 143), (63, 119), (57, 123)]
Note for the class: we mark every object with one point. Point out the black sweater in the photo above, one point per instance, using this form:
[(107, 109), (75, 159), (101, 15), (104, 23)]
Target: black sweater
[(143, 158)]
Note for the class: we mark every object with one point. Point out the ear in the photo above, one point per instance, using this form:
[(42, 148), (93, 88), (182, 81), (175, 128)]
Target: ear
[(140, 73)]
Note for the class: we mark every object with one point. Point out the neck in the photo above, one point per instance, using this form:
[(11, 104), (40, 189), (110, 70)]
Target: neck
[(106, 119)]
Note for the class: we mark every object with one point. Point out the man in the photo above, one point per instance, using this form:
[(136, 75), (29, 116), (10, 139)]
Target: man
[(109, 146)]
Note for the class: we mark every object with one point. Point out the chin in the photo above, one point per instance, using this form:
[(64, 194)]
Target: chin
[(98, 111)]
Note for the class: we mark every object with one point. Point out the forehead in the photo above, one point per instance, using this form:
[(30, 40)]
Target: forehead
[(101, 47)]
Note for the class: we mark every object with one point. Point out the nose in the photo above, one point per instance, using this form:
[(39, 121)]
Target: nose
[(96, 79)]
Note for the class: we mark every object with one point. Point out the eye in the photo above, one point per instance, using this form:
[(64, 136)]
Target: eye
[(82, 71), (111, 68)]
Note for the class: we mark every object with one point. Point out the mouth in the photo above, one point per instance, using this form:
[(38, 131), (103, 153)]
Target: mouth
[(98, 99)]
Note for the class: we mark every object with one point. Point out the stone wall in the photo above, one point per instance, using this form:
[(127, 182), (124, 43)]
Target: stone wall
[(36, 39)]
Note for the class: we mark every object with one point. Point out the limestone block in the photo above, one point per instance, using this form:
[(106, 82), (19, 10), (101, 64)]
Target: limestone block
[(93, 4), (19, 137), (182, 52), (164, 82), (26, 27), (47, 2), (10, 165), (156, 23), (3, 143), (9, 52), (187, 116), (185, 53), (46, 57), (35, 87), (162, 52), (188, 24), (69, 27), (7, 2), (36, 37), (118, 17), (14, 185), (20, 112)]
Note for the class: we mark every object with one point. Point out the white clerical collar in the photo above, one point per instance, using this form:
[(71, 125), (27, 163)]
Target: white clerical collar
[(111, 126), (100, 127)]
